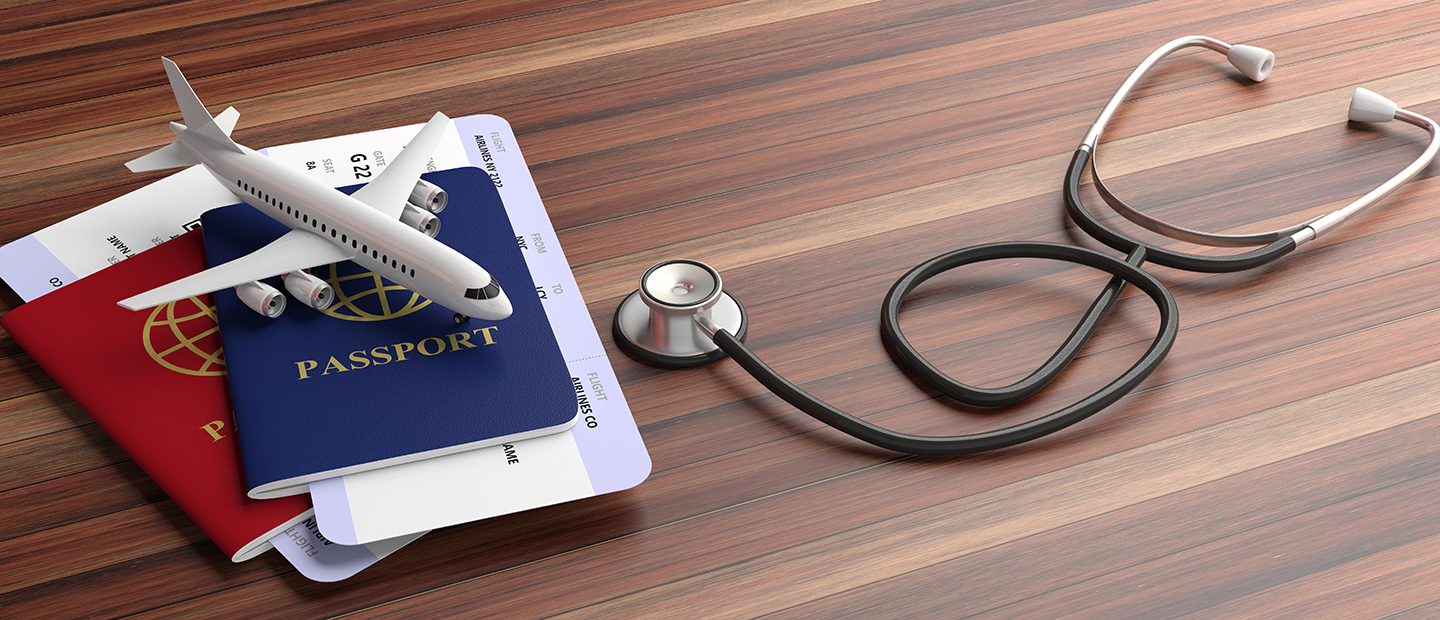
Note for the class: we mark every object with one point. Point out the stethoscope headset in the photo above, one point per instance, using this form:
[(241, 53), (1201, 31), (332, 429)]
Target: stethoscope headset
[(681, 316)]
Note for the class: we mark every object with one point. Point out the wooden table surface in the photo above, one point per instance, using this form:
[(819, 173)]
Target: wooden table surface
[(1281, 463)]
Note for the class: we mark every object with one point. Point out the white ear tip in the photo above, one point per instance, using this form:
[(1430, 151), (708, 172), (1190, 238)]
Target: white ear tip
[(1367, 106), (1254, 62)]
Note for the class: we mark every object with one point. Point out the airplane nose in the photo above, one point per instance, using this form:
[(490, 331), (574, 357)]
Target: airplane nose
[(502, 304), (493, 309), (490, 302)]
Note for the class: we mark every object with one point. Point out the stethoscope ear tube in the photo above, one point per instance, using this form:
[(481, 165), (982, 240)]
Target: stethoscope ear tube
[(1256, 63), (1158, 255), (1012, 435)]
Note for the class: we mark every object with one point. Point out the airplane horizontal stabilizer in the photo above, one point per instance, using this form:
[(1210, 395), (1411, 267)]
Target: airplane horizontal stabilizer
[(297, 249), (227, 119), (175, 155)]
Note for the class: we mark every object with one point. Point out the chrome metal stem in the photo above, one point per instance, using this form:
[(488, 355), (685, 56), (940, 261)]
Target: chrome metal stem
[(1324, 223), (1093, 137)]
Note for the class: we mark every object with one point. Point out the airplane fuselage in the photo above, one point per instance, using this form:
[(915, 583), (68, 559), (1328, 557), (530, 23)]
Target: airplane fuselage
[(371, 238)]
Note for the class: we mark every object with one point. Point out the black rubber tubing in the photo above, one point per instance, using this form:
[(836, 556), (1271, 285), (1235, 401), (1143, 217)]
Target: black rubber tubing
[(1123, 272)]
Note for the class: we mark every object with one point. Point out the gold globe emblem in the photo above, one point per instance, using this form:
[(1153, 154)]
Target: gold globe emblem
[(365, 296), (184, 336)]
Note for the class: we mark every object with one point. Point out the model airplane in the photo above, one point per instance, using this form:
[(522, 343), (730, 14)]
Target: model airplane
[(378, 227)]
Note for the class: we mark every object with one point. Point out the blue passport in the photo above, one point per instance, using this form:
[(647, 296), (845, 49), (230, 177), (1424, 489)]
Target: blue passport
[(383, 376)]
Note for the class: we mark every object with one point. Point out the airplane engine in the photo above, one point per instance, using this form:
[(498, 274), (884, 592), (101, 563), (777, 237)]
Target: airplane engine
[(421, 220), (262, 298), (310, 290), (429, 197)]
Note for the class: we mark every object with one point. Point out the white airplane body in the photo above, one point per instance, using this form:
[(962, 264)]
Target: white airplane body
[(369, 227)]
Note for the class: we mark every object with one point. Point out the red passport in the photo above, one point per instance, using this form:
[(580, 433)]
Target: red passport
[(154, 380)]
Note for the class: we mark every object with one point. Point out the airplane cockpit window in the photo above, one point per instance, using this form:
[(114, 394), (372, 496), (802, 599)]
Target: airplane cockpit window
[(491, 290)]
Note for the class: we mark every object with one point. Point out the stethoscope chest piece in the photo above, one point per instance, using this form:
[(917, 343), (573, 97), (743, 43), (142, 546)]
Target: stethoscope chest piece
[(660, 322)]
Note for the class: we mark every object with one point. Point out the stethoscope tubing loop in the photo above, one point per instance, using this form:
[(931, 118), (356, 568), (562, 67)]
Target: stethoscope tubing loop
[(1122, 271), (988, 440)]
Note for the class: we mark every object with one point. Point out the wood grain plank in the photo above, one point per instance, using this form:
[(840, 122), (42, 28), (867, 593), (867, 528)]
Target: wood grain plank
[(1260, 498), (410, 81), (102, 490), (46, 556), (387, 35), (19, 15), (813, 152), (57, 454), (20, 376), (32, 415), (103, 28)]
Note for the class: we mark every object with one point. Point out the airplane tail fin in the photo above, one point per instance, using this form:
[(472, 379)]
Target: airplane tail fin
[(198, 120)]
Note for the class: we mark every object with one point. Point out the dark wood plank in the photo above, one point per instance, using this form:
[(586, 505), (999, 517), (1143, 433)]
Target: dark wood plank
[(1277, 465)]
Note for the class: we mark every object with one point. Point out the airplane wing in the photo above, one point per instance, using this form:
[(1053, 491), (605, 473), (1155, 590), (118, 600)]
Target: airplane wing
[(389, 191), (297, 249)]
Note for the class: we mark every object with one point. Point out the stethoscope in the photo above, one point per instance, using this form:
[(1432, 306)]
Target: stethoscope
[(681, 316)]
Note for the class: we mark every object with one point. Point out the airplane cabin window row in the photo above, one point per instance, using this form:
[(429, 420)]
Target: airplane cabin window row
[(315, 223)]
